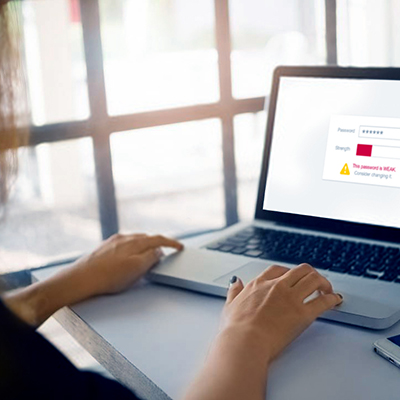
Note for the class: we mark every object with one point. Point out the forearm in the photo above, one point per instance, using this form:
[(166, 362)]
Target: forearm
[(235, 369), (37, 302)]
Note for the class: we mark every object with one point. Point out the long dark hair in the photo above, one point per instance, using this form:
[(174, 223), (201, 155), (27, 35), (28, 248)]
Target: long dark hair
[(13, 104)]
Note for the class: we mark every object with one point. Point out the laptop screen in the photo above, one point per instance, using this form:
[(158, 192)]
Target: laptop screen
[(335, 150)]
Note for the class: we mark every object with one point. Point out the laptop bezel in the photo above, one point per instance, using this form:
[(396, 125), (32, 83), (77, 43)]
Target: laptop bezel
[(309, 222)]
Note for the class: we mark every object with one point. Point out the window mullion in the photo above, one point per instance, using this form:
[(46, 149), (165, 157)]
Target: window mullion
[(331, 31), (98, 106), (225, 81)]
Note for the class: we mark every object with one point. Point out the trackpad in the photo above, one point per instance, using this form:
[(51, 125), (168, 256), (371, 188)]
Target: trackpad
[(246, 272)]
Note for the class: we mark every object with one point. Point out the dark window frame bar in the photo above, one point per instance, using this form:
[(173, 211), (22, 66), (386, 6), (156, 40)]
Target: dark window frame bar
[(331, 31), (100, 125)]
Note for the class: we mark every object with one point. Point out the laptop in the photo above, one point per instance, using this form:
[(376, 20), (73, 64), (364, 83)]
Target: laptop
[(329, 195)]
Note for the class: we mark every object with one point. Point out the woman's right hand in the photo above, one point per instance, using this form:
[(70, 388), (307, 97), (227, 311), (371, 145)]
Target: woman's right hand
[(271, 308), (259, 321)]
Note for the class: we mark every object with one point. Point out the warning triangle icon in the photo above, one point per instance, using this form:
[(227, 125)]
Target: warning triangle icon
[(345, 170)]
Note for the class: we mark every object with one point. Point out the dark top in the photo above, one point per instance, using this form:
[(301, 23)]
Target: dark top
[(31, 367)]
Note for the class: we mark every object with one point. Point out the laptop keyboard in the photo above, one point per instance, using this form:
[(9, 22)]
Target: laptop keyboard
[(346, 257)]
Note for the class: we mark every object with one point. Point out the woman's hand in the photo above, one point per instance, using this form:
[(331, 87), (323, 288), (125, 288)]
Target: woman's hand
[(259, 321), (272, 308), (118, 263), (121, 261)]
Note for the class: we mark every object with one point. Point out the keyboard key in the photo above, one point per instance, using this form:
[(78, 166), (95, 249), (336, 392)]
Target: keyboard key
[(253, 253), (265, 256), (388, 278), (236, 240), (378, 274), (336, 269), (252, 246), (238, 250), (355, 272), (376, 267), (358, 265), (226, 248), (213, 246), (320, 266), (370, 276)]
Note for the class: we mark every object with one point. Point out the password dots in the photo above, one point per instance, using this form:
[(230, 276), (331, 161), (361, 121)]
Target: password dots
[(372, 132)]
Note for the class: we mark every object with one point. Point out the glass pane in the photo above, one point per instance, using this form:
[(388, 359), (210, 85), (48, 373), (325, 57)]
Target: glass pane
[(53, 212), (55, 62), (267, 33), (169, 179), (368, 32), (249, 146), (158, 54)]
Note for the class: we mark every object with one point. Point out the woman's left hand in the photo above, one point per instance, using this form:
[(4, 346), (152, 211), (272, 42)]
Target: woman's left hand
[(119, 262)]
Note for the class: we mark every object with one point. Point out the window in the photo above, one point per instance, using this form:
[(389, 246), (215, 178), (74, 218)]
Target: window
[(268, 33), (249, 142), (158, 195), (55, 62), (158, 54), (368, 32), (146, 114), (53, 211)]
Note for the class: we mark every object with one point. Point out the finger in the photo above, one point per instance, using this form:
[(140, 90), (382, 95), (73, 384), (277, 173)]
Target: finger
[(297, 273), (273, 272), (149, 258), (322, 303), (152, 242), (312, 282), (235, 287)]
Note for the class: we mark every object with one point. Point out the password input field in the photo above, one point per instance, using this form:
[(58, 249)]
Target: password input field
[(378, 132)]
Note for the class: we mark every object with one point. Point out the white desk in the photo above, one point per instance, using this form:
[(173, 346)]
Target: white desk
[(154, 339)]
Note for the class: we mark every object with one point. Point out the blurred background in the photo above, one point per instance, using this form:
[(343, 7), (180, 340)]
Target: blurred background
[(148, 115)]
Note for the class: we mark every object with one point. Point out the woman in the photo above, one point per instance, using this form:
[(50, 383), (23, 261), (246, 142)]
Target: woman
[(258, 320)]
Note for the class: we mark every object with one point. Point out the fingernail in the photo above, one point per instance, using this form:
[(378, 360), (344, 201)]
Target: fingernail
[(341, 296), (232, 280)]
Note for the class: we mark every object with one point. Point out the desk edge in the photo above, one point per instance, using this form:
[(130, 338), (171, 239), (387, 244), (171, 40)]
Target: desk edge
[(123, 370)]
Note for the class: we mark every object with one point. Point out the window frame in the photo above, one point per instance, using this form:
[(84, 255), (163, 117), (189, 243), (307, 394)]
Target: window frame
[(100, 126)]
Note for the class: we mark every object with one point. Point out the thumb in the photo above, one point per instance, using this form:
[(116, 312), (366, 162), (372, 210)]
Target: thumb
[(235, 287)]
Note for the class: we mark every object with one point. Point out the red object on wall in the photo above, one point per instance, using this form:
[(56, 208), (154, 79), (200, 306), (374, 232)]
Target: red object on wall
[(75, 11), (364, 150)]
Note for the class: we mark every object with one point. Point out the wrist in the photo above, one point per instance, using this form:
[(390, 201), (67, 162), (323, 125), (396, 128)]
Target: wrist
[(244, 339), (80, 277), (27, 304), (34, 304)]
